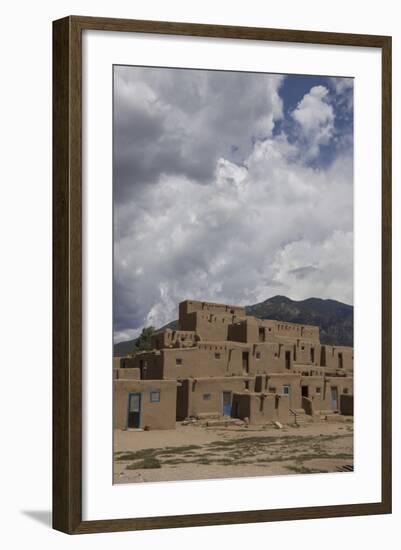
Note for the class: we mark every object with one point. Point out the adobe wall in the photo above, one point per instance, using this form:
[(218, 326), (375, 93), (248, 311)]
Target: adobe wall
[(159, 415), (170, 338), (189, 306), (322, 400), (209, 326), (150, 365), (224, 359), (194, 362), (127, 374), (123, 362), (274, 383), (333, 357), (261, 408), (205, 395)]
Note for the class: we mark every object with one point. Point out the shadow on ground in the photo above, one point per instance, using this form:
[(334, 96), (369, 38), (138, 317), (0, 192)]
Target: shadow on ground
[(40, 516)]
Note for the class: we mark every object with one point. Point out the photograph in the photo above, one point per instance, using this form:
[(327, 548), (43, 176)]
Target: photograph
[(232, 274)]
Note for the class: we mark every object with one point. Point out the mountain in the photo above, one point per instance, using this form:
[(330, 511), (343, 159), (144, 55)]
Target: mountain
[(335, 319)]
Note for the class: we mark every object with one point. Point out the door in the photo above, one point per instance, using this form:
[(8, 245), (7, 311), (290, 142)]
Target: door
[(287, 391), (334, 399), (134, 410), (226, 403), (245, 361), (305, 391)]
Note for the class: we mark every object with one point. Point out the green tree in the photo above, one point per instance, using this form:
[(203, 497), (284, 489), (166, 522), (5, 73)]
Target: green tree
[(143, 341)]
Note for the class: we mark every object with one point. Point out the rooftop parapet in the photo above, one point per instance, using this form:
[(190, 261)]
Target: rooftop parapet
[(190, 306)]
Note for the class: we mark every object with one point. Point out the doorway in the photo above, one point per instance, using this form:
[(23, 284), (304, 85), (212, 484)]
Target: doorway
[(226, 403), (334, 398), (134, 410), (245, 361), (305, 391)]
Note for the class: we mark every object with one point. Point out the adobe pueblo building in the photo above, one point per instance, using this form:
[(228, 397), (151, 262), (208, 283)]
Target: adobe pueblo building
[(223, 363)]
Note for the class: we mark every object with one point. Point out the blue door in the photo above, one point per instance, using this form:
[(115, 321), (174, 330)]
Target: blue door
[(226, 403), (134, 410)]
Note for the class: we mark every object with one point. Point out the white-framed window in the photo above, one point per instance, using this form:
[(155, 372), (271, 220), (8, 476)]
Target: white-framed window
[(155, 396)]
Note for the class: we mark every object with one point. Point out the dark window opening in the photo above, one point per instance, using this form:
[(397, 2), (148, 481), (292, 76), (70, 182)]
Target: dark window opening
[(345, 390), (245, 361), (217, 355), (323, 356), (178, 361), (262, 334), (287, 359), (312, 355), (318, 390), (340, 360), (207, 397)]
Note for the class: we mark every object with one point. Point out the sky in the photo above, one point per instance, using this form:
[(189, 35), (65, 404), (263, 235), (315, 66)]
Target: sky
[(229, 187)]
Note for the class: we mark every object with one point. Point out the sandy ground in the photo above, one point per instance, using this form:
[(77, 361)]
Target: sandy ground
[(198, 452)]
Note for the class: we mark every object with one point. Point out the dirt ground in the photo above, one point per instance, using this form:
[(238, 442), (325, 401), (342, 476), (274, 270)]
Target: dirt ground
[(199, 452)]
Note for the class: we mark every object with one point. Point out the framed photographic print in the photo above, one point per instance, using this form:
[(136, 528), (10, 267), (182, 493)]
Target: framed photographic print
[(222, 268)]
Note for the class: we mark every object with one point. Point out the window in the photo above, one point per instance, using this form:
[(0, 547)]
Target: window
[(272, 389), (345, 390), (155, 396), (286, 389), (178, 361), (318, 390), (258, 355), (312, 355), (217, 355), (247, 384), (207, 397), (262, 335), (340, 360)]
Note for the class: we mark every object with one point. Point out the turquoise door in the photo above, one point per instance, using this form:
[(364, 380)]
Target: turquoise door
[(226, 403)]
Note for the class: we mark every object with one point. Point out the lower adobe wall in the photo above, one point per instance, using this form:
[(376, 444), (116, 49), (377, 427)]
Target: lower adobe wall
[(155, 415), (261, 408)]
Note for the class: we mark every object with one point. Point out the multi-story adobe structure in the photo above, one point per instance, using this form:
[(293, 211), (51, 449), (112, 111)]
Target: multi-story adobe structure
[(224, 363)]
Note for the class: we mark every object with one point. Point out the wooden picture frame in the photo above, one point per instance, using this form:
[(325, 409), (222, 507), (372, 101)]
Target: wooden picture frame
[(67, 274)]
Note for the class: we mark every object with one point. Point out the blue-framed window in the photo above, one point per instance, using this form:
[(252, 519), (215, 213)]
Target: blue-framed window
[(155, 396)]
